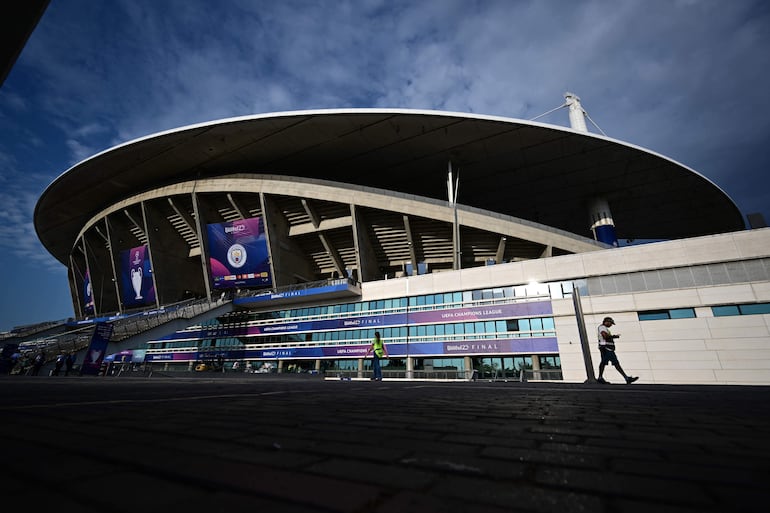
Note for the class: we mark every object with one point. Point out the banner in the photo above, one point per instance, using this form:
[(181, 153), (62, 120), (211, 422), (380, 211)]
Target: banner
[(137, 288), (95, 354), (506, 346), (238, 254), (450, 315), (88, 295)]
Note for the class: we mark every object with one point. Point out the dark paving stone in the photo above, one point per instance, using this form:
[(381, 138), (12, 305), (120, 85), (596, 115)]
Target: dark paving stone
[(240, 442)]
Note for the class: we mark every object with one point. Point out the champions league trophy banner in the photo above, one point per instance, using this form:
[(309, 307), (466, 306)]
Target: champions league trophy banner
[(238, 254), (95, 353), (136, 277), (88, 296)]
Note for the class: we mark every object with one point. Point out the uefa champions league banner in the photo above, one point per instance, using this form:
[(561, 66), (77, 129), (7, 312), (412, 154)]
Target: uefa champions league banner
[(238, 254), (467, 314), (88, 297), (136, 283), (95, 354)]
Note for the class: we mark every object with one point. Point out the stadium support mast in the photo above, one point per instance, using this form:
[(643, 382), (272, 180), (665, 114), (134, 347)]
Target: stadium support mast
[(577, 118)]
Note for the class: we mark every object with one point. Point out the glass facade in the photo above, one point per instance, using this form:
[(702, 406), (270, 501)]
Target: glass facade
[(434, 335)]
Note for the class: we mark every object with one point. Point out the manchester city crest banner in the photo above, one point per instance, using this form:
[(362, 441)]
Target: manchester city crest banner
[(238, 254)]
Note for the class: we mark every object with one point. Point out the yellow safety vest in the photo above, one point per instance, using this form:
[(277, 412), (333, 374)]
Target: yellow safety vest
[(377, 345)]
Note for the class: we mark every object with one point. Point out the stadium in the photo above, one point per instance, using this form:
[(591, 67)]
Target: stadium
[(481, 247)]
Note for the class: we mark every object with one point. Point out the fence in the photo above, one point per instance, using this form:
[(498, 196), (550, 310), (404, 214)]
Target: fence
[(128, 327)]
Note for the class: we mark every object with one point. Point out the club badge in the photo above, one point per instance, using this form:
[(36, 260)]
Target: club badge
[(236, 255)]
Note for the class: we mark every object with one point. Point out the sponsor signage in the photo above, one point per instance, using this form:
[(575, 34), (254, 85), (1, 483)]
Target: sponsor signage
[(528, 309), (463, 347)]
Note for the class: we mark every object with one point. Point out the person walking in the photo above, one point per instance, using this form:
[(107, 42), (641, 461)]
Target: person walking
[(379, 350), (59, 364), (37, 363), (607, 350), (68, 363)]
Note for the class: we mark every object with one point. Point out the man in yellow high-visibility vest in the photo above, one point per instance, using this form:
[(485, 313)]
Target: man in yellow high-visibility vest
[(379, 350)]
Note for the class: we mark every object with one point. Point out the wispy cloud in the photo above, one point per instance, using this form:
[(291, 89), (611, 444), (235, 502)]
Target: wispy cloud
[(681, 78), (18, 196)]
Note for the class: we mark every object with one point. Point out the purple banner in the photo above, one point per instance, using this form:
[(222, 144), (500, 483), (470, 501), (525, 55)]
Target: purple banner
[(512, 346), (506, 311), (482, 313), (401, 350), (88, 296), (137, 286), (238, 254), (95, 354)]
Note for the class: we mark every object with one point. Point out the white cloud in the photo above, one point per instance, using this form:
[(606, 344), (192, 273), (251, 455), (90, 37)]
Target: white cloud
[(680, 78)]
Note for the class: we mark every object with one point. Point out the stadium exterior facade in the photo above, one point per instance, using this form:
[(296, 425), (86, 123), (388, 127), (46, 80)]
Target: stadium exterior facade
[(317, 228)]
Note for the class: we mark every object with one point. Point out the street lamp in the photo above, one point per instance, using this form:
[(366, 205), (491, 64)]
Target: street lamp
[(452, 187)]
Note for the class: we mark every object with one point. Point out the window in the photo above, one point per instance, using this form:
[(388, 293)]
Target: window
[(752, 309), (682, 313), (674, 313), (653, 315), (759, 308)]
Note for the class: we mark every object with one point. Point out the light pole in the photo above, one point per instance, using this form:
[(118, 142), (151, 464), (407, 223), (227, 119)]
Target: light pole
[(452, 187), (590, 376), (409, 361)]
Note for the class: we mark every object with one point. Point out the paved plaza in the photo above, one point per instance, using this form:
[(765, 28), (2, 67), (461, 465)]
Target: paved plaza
[(300, 443)]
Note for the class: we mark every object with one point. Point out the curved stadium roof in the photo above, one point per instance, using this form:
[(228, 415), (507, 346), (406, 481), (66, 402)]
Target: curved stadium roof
[(537, 172)]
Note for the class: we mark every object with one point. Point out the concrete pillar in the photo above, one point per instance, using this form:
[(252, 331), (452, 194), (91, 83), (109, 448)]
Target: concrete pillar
[(535, 366), (409, 367), (468, 365), (360, 367)]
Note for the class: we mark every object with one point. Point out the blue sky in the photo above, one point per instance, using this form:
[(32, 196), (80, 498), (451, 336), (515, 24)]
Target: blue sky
[(684, 78)]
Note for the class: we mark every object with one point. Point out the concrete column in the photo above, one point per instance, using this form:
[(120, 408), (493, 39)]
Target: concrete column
[(318, 366), (280, 367), (360, 367), (468, 365), (409, 367), (535, 366)]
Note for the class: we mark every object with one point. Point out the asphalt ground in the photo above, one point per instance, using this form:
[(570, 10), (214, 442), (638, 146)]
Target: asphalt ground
[(297, 444)]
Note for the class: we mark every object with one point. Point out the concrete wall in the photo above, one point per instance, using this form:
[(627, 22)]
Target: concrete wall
[(704, 349)]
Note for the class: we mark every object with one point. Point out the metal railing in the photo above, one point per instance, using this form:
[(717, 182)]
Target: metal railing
[(128, 327)]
